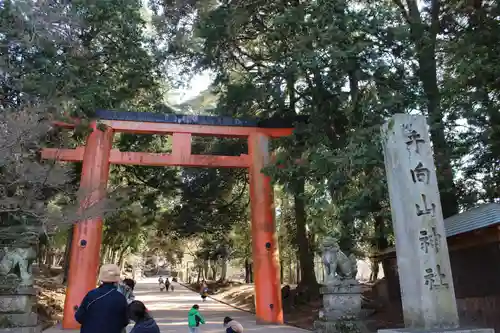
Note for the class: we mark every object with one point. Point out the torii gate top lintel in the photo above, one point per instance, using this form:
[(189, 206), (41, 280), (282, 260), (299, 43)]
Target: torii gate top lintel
[(181, 127), (160, 123)]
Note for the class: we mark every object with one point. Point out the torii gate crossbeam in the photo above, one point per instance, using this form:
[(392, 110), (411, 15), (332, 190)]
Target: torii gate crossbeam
[(98, 154)]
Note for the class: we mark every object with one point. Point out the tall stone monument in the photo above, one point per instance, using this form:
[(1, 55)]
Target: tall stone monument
[(425, 276)]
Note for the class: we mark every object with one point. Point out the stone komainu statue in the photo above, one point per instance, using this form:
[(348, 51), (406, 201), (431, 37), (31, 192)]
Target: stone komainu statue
[(338, 266), (16, 262)]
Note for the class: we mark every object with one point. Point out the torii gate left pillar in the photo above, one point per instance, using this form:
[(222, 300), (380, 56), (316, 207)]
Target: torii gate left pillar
[(87, 234), (98, 154)]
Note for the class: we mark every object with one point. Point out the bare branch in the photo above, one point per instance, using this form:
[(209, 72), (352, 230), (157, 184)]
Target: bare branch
[(403, 10)]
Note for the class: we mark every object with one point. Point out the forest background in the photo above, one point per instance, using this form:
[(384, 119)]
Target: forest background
[(346, 65)]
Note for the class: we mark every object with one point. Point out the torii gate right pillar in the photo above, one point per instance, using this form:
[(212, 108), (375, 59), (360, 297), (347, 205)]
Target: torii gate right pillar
[(268, 307)]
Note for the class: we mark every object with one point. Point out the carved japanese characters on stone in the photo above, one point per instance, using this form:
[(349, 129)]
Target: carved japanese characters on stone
[(425, 207), (16, 263), (338, 266), (429, 240), (435, 279), (414, 139), (420, 174)]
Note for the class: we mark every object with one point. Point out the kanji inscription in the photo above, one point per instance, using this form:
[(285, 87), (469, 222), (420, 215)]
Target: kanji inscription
[(426, 207), (435, 279), (430, 240), (420, 174), (414, 139)]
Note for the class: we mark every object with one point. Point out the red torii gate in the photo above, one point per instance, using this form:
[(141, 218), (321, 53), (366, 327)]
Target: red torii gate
[(98, 154)]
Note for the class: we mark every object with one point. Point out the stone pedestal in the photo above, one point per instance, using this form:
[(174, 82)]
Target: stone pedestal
[(451, 330), (17, 294), (341, 308)]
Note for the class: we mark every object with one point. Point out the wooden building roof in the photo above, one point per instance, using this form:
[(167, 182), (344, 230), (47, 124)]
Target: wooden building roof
[(477, 218)]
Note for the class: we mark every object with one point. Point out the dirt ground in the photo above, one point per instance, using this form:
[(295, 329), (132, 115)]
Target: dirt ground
[(303, 313), (50, 296)]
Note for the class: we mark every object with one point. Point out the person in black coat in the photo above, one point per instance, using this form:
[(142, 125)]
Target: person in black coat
[(143, 321), (104, 309)]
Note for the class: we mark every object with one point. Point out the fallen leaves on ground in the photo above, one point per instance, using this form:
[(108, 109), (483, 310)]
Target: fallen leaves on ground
[(50, 297)]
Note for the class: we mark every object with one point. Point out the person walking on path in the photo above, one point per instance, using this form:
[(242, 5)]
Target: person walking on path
[(232, 326), (144, 323), (167, 284), (204, 291), (161, 283), (195, 319), (104, 309)]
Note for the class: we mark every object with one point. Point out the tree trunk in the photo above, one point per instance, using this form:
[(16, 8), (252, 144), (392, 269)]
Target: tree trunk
[(282, 275), (381, 242), (104, 254), (374, 269), (347, 232), (59, 260), (67, 253), (424, 37), (250, 270), (114, 256), (200, 270), (49, 258), (41, 254), (122, 265), (306, 257), (213, 269), (297, 270), (109, 256), (205, 269), (223, 271), (247, 271), (121, 256)]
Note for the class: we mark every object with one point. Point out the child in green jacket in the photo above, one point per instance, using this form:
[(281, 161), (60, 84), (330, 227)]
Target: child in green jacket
[(195, 319)]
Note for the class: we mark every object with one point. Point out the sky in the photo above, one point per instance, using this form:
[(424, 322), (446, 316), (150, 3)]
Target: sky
[(198, 84)]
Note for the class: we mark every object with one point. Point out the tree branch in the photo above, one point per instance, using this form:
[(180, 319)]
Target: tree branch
[(402, 8)]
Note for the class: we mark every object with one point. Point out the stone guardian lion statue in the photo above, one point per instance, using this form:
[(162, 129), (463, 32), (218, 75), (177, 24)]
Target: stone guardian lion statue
[(16, 262), (338, 266)]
